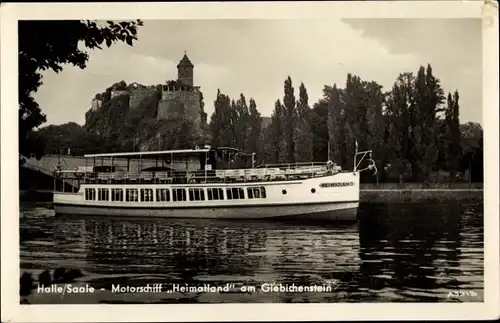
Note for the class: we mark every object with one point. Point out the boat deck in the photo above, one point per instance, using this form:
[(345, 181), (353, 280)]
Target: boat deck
[(262, 174)]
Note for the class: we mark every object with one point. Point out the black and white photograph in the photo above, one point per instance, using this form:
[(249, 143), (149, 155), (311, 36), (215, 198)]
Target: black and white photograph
[(250, 153)]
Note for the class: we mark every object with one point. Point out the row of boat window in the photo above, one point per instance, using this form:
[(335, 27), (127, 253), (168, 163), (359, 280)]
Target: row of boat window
[(174, 194)]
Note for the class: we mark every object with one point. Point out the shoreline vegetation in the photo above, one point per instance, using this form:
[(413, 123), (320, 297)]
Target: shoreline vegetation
[(415, 192), (420, 186)]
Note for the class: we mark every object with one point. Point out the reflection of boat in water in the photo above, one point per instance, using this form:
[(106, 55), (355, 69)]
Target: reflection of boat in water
[(200, 183), (263, 250)]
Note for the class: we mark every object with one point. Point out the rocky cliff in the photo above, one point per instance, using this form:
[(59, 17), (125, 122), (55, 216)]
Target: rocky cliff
[(136, 117)]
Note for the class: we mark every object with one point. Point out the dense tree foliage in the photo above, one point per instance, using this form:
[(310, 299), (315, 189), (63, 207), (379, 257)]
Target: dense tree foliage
[(275, 147), (290, 113), (452, 147), (410, 131), (303, 135), (223, 121), (70, 136), (44, 45), (413, 129), (254, 140)]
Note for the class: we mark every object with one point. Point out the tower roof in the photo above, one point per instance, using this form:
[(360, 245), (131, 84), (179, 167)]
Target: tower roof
[(185, 62)]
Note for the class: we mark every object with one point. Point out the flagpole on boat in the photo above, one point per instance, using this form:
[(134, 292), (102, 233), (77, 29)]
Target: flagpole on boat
[(355, 144), (329, 158)]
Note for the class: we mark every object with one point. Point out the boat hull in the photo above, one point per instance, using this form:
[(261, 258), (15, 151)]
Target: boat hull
[(334, 197), (338, 211)]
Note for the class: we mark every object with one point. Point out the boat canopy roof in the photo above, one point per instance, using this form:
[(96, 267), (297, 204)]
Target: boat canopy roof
[(179, 153)]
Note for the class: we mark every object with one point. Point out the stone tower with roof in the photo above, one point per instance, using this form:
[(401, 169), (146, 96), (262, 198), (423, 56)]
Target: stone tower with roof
[(181, 96), (185, 71)]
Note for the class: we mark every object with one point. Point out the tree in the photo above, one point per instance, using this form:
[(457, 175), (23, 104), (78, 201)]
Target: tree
[(66, 137), (471, 134), (171, 133), (354, 99), (400, 102), (455, 148), (275, 134), (413, 109), (222, 121), (290, 113), (376, 101), (451, 135), (319, 118), (203, 114), (354, 123), (242, 122), (204, 126), (49, 44), (303, 135), (429, 96), (255, 123), (471, 141), (335, 127)]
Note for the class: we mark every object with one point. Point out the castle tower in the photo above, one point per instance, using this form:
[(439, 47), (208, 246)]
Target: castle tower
[(185, 98), (185, 71)]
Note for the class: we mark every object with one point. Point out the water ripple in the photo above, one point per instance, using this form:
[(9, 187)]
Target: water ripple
[(396, 253)]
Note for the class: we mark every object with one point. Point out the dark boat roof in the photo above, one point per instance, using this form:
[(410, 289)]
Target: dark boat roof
[(179, 153)]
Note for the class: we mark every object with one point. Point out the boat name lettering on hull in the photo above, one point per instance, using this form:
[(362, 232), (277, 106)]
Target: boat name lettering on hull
[(338, 184)]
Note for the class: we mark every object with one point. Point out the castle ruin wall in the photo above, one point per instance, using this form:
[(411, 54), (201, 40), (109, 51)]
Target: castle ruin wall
[(171, 99), (115, 93), (140, 93)]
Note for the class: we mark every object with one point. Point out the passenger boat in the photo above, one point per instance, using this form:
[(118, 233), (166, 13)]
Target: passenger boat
[(207, 183)]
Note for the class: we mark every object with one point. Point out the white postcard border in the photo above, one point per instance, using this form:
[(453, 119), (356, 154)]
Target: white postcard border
[(12, 311)]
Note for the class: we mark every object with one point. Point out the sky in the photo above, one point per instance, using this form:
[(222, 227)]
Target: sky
[(254, 57)]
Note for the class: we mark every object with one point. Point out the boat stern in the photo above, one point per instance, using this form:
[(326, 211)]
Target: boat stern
[(67, 198)]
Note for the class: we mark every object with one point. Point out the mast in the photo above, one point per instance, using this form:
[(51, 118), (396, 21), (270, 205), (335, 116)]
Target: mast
[(328, 157), (355, 153), (355, 144)]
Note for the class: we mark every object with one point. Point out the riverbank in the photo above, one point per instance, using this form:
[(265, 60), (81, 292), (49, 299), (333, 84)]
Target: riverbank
[(413, 192), (421, 186)]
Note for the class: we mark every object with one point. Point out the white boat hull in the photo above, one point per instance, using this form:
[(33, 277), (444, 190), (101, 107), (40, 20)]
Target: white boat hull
[(329, 211), (334, 197)]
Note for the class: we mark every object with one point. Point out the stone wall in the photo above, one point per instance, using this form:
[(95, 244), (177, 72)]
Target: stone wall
[(138, 93), (96, 104), (185, 75), (171, 99), (115, 93)]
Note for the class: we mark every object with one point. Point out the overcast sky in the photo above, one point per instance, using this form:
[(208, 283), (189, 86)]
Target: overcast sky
[(255, 56)]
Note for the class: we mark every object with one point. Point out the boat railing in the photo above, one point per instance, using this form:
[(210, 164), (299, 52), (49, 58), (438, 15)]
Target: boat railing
[(365, 155), (294, 165), (302, 171)]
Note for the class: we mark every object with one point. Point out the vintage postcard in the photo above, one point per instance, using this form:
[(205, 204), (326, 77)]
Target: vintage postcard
[(249, 161)]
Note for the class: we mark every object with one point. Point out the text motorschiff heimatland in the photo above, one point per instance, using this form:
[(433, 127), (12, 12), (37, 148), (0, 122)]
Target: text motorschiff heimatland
[(207, 288), (149, 288)]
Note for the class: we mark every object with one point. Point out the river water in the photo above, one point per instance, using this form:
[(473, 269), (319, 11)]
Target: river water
[(427, 251)]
